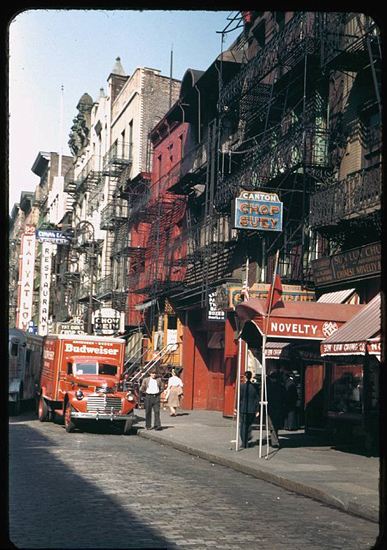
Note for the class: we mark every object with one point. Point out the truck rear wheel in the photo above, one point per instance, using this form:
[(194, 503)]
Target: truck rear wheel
[(69, 424), (43, 412)]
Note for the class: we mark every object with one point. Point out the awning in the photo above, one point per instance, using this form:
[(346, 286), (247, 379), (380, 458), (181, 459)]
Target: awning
[(338, 297), (301, 320), (277, 350), (358, 334)]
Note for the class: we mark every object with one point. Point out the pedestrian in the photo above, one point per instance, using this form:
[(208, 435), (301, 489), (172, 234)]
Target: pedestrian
[(248, 406), (275, 404), (174, 392), (291, 398), (152, 386)]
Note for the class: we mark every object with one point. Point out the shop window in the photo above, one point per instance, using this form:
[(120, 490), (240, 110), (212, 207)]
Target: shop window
[(346, 390)]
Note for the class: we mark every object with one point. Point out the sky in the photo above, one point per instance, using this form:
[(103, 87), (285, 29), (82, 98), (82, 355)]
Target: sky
[(76, 49)]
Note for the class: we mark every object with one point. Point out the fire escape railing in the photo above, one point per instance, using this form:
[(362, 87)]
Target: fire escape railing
[(275, 155), (287, 48), (115, 211), (117, 158), (357, 195), (344, 37)]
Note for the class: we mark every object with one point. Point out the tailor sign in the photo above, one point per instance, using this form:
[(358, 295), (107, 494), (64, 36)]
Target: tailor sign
[(258, 210)]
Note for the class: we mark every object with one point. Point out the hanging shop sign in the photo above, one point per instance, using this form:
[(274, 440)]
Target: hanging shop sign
[(229, 295), (355, 264), (107, 321), (26, 281), (70, 327), (52, 236), (258, 211), (214, 313)]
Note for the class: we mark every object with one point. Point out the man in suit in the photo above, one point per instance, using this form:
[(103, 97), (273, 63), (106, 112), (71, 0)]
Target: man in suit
[(248, 405), (152, 387)]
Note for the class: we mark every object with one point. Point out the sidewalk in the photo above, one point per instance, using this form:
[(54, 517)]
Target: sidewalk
[(303, 464)]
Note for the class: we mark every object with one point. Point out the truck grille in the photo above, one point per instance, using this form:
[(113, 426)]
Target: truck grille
[(103, 404)]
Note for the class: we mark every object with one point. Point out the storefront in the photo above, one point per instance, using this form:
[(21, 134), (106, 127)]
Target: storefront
[(353, 356), (294, 333)]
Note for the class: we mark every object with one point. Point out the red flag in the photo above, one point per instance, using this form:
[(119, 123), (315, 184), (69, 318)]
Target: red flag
[(275, 295)]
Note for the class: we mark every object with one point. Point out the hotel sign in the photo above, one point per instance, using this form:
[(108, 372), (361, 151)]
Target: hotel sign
[(52, 236), (355, 264), (258, 211)]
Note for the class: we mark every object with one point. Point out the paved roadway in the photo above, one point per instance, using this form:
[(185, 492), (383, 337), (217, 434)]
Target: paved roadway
[(103, 490)]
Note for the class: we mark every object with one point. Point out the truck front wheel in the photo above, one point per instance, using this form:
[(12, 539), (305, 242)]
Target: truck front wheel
[(128, 426), (43, 412), (69, 424)]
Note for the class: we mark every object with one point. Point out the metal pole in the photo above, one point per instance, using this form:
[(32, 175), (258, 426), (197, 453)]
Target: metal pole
[(90, 307), (238, 392)]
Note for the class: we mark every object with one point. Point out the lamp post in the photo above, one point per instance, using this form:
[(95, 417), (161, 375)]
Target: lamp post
[(85, 229)]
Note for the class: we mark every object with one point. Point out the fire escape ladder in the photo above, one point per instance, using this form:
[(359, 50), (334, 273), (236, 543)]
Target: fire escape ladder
[(366, 32), (209, 210)]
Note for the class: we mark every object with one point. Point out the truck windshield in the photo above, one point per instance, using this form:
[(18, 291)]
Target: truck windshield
[(95, 368), (86, 368)]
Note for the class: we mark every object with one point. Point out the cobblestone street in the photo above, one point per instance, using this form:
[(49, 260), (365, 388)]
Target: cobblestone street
[(103, 490)]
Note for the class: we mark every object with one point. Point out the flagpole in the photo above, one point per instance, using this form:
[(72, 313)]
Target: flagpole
[(239, 369), (263, 372)]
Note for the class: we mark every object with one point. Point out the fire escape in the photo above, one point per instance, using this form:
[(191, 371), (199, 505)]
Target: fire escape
[(348, 211), (276, 108), (112, 286)]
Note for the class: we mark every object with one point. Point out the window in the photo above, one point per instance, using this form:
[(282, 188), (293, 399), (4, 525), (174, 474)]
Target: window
[(130, 139), (104, 368), (14, 349), (260, 34), (86, 368)]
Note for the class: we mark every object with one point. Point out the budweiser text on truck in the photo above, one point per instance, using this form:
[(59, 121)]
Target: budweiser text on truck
[(81, 379)]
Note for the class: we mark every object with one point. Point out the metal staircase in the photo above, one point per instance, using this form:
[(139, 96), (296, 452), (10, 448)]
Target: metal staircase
[(136, 369)]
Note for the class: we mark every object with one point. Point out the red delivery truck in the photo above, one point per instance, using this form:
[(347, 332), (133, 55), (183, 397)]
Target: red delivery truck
[(82, 379)]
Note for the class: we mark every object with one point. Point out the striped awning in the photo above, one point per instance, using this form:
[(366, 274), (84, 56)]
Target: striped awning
[(358, 335), (277, 350), (337, 297)]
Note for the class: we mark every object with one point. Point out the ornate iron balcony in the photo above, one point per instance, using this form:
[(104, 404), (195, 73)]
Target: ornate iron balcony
[(357, 195)]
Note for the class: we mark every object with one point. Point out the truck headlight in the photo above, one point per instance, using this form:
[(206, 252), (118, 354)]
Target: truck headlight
[(129, 396), (79, 394)]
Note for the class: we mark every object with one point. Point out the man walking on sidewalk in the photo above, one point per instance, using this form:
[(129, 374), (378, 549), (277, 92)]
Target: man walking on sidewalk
[(152, 387)]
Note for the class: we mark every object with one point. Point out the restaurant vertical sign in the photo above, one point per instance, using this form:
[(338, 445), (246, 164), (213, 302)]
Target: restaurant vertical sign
[(45, 283), (26, 279)]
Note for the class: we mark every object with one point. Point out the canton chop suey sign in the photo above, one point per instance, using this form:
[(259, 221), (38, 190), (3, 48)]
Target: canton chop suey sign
[(257, 210)]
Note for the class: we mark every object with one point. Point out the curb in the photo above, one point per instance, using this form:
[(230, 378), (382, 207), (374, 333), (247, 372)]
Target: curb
[(352, 508)]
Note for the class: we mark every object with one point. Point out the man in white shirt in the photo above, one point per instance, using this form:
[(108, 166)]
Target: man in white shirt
[(152, 387)]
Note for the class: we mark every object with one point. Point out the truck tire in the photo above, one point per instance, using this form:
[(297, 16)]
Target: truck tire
[(128, 426), (69, 424), (43, 412)]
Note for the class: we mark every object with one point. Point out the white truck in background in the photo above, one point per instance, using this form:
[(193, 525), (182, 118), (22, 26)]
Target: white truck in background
[(24, 365)]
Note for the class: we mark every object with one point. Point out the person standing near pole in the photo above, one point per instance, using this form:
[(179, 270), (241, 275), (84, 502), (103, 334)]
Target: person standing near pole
[(248, 407)]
